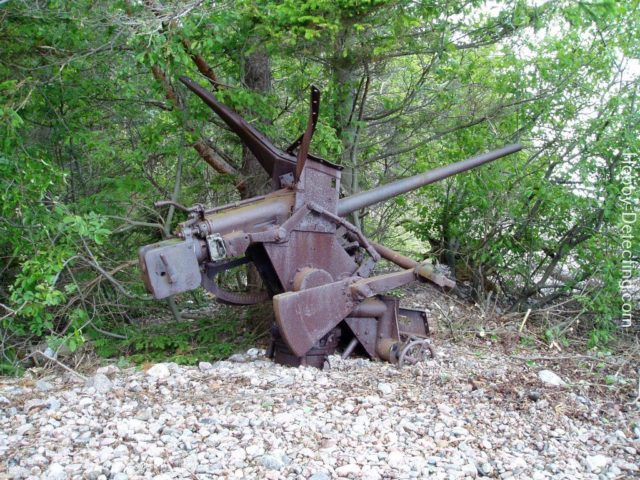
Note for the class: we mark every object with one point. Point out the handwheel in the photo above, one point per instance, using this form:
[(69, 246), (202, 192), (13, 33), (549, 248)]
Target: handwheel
[(414, 350)]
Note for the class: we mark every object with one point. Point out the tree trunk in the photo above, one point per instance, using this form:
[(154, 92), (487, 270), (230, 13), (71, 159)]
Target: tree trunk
[(346, 81), (257, 77)]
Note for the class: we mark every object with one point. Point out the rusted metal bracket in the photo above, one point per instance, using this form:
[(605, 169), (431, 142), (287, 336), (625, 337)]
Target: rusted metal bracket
[(228, 296), (305, 140), (196, 213), (281, 234), (197, 208), (304, 317), (366, 267), (425, 269)]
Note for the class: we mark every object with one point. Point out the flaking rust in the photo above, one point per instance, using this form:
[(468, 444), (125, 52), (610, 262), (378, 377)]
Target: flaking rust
[(316, 266)]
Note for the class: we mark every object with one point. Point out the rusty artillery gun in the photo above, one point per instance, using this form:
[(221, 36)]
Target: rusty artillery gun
[(316, 266)]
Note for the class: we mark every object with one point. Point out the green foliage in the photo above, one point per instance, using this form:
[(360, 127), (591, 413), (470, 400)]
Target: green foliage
[(527, 341), (547, 226), (555, 334), (35, 288), (601, 335), (208, 339)]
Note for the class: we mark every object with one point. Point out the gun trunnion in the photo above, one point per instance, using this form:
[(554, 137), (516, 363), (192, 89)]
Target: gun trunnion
[(315, 265)]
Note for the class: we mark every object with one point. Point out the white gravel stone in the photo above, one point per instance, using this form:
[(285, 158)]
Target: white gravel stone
[(469, 470), (272, 462), (238, 358), (254, 450), (159, 370), (22, 429), (595, 463), (551, 378), (395, 459), (460, 432), (485, 469), (385, 388), (204, 366), (108, 370), (517, 464), (255, 352), (34, 403), (348, 469), (100, 382), (18, 472), (320, 476), (56, 472), (44, 386)]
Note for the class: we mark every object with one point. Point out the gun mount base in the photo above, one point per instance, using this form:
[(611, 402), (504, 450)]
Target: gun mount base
[(280, 352), (378, 328)]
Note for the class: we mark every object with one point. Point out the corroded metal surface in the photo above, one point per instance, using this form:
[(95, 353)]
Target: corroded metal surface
[(315, 265)]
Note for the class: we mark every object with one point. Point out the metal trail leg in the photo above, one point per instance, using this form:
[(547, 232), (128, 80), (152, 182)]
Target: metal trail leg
[(350, 348)]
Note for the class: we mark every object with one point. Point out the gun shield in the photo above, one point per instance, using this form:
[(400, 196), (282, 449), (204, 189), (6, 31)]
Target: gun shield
[(169, 267)]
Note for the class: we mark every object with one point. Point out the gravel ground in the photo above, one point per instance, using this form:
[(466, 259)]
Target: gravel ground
[(462, 415)]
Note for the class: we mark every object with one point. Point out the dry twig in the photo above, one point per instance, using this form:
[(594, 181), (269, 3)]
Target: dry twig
[(58, 362)]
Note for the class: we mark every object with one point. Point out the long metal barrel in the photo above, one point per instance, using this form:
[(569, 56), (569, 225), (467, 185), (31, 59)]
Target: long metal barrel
[(370, 197)]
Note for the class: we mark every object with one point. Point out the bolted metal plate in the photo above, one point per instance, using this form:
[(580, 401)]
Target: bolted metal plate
[(413, 322), (366, 332), (309, 249), (169, 267)]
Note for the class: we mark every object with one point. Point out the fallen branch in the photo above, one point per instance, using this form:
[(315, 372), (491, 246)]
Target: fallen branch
[(58, 362), (449, 321), (564, 357), (11, 310), (524, 321)]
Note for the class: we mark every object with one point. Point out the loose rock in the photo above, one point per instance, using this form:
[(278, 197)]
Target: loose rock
[(348, 469), (272, 462), (319, 476), (44, 386), (204, 366), (56, 472), (238, 358), (595, 463), (385, 388), (159, 370), (100, 382), (550, 378)]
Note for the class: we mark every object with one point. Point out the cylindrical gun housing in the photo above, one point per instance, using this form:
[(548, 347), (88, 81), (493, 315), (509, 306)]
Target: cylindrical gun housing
[(360, 200)]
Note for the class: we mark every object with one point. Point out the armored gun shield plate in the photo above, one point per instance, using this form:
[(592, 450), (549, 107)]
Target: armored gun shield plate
[(169, 268)]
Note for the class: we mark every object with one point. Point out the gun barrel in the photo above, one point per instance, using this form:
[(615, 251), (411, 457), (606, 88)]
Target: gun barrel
[(360, 200)]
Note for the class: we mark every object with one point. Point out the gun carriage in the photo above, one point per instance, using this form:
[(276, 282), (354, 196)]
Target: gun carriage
[(315, 265)]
